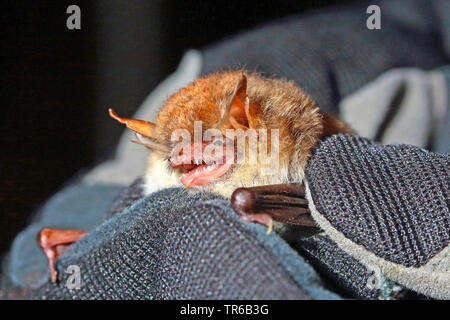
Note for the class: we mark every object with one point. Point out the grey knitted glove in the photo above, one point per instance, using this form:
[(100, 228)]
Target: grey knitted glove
[(387, 207), (179, 245)]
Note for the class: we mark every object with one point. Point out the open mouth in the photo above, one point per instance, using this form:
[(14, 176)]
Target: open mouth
[(204, 172)]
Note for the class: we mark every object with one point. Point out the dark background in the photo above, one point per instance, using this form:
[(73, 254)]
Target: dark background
[(57, 83)]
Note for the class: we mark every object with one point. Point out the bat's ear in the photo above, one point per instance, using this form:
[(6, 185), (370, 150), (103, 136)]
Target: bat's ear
[(239, 113), (142, 127)]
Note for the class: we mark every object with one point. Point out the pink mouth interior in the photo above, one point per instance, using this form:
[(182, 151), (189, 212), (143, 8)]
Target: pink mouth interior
[(201, 174), (204, 174)]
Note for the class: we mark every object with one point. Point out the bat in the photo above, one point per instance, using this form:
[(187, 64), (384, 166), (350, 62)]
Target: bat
[(207, 116)]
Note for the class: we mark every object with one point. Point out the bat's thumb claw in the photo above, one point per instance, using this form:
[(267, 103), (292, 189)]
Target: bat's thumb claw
[(54, 276), (269, 227)]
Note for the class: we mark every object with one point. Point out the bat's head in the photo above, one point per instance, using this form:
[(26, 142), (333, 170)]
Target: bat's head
[(215, 132)]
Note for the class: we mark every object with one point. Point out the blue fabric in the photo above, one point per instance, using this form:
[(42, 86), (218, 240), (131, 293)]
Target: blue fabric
[(179, 245), (295, 265), (84, 207), (76, 207)]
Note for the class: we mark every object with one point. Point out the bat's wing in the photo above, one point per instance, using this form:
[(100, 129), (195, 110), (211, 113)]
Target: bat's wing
[(284, 203)]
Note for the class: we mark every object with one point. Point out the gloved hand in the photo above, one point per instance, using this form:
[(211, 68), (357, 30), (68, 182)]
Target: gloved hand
[(387, 207), (172, 244)]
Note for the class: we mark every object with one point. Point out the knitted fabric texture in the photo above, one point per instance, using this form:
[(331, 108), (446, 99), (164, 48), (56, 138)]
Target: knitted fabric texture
[(393, 200), (172, 245), (126, 198), (343, 273)]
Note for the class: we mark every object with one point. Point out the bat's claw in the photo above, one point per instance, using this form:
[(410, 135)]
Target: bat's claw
[(54, 276), (54, 242), (269, 228), (261, 218)]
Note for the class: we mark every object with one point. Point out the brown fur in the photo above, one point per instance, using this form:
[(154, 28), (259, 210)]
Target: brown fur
[(275, 104)]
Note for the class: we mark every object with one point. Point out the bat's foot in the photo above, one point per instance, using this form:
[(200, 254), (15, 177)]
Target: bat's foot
[(284, 203), (54, 242)]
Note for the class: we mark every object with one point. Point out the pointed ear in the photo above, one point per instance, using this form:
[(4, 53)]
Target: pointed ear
[(239, 111), (142, 127)]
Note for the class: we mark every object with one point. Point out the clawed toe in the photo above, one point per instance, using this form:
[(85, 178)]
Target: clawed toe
[(54, 242)]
